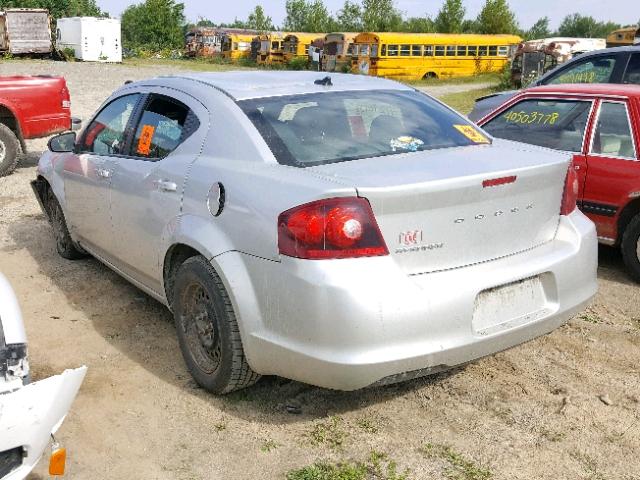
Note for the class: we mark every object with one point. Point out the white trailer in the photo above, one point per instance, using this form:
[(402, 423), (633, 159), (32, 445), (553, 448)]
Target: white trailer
[(25, 31), (93, 39)]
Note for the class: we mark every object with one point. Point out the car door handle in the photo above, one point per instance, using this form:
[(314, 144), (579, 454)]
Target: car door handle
[(167, 186), (103, 172)]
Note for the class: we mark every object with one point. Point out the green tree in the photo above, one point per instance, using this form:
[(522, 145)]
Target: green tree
[(418, 25), (496, 17), (470, 26), (307, 16), (153, 24), (577, 25), (349, 17), (450, 17), (297, 13), (540, 29), (259, 21), (59, 8), (381, 16)]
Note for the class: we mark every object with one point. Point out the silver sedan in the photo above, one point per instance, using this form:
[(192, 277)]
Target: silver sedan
[(342, 231)]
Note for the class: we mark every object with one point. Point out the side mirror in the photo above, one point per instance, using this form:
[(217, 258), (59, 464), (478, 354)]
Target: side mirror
[(63, 143)]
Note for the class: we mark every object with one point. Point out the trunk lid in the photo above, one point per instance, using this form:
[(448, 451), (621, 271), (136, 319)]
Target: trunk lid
[(435, 214)]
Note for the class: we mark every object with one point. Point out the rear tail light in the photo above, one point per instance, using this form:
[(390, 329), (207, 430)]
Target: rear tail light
[(570, 194), (332, 228)]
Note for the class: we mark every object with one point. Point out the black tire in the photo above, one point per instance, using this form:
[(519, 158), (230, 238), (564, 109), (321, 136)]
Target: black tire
[(65, 246), (429, 75), (631, 247), (9, 150), (207, 329)]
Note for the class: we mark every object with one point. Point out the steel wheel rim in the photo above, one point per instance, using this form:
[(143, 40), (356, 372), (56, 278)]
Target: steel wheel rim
[(3, 151), (638, 249), (199, 325)]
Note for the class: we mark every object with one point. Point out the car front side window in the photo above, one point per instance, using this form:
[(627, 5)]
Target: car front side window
[(592, 70), (632, 74), (165, 123), (106, 133), (612, 136), (557, 124)]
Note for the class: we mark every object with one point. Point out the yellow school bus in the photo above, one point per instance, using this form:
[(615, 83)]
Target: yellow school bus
[(413, 56), (236, 45), (270, 48), (623, 36), (336, 53), (297, 44)]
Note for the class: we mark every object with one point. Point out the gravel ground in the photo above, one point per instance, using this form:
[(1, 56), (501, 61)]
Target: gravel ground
[(566, 405)]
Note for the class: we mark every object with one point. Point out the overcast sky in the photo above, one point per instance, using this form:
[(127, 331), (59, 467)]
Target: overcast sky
[(527, 11)]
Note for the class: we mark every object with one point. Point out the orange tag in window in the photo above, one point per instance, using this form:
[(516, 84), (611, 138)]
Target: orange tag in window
[(471, 133), (144, 144)]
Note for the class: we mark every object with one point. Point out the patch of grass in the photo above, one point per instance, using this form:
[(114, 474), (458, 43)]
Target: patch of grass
[(377, 467), (368, 424), (460, 468), (330, 433), (268, 445), (553, 436), (480, 78), (196, 64), (590, 317), (463, 101), (589, 465)]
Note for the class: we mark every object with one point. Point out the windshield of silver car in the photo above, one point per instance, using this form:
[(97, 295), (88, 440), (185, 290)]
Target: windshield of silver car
[(329, 127)]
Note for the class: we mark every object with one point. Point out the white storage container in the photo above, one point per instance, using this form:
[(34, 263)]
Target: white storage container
[(93, 39)]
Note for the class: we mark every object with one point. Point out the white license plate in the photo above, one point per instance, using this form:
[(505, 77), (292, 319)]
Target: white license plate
[(510, 305)]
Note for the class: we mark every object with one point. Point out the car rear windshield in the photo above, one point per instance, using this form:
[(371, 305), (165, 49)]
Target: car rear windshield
[(330, 127), (557, 124)]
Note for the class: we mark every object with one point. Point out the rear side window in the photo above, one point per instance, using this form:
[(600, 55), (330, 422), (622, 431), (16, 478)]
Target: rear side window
[(612, 137), (557, 124), (632, 75), (165, 124), (594, 70), (330, 127), (105, 135)]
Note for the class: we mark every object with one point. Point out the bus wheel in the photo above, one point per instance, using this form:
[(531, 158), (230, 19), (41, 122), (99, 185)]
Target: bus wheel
[(429, 75)]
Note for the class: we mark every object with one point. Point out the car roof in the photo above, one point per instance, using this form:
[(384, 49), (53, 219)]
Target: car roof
[(243, 85), (618, 89)]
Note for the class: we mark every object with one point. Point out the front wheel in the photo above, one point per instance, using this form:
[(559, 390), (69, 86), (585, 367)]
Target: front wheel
[(9, 150), (631, 248), (207, 329), (65, 246)]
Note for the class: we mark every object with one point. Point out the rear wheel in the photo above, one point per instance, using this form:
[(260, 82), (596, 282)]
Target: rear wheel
[(429, 75), (631, 248), (207, 329), (9, 150), (65, 246)]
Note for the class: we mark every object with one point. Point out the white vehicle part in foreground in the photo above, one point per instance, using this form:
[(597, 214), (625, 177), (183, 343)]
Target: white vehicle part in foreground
[(31, 413)]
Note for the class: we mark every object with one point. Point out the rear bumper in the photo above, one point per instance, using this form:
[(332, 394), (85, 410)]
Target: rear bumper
[(347, 324)]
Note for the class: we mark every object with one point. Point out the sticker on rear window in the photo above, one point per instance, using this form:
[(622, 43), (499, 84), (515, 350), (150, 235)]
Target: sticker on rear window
[(471, 133), (144, 144), (532, 117)]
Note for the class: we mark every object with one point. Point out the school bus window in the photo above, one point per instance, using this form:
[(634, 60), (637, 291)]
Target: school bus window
[(472, 51), (503, 51), (461, 51), (383, 51), (451, 51), (374, 50), (482, 51), (405, 50), (428, 50), (493, 51), (364, 50), (392, 51), (439, 50), (416, 50)]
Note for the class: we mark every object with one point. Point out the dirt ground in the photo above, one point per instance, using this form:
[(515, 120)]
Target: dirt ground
[(564, 406)]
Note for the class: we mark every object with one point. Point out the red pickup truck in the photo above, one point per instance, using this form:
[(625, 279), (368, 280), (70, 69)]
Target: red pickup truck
[(30, 107)]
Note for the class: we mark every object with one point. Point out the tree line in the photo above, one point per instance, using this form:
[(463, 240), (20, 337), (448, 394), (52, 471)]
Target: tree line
[(161, 24)]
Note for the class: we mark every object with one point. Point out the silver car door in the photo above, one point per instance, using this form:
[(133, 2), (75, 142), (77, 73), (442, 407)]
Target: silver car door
[(88, 174), (147, 190)]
